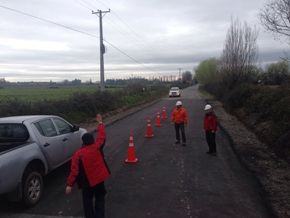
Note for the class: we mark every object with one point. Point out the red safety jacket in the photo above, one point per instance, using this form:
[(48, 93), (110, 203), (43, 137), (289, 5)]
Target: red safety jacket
[(210, 122), (88, 167), (179, 115)]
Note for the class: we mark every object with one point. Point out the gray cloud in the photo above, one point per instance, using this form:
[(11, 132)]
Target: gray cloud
[(143, 38)]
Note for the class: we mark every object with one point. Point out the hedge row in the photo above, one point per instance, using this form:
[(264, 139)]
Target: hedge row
[(264, 109), (80, 106)]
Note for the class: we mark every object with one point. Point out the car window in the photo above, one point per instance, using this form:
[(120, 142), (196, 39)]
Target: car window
[(13, 133), (63, 127), (46, 128)]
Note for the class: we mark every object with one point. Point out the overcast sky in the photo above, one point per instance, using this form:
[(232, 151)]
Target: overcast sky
[(44, 40)]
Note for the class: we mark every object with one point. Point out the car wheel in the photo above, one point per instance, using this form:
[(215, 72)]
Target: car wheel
[(32, 188)]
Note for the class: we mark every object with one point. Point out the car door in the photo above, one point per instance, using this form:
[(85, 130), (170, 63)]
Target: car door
[(50, 141), (71, 140)]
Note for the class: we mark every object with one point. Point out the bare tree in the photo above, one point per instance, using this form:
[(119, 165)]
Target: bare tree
[(240, 53), (275, 17)]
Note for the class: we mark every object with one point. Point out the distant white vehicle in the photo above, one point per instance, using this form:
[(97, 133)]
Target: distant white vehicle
[(174, 92)]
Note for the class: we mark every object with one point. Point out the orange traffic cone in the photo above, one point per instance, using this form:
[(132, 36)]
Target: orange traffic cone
[(158, 121), (131, 154), (164, 115), (149, 133)]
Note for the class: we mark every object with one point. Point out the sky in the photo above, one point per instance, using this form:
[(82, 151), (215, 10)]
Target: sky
[(53, 40)]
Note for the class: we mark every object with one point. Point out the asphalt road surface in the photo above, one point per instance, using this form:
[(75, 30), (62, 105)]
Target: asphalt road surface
[(168, 181)]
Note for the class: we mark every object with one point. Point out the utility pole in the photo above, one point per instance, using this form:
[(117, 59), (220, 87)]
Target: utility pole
[(179, 78), (102, 48)]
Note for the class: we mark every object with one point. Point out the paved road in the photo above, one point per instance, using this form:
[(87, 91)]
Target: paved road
[(168, 181)]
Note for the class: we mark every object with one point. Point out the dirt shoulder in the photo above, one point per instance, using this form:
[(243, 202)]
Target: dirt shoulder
[(272, 173)]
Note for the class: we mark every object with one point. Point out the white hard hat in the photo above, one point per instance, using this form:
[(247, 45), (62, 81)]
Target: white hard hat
[(178, 103), (207, 107)]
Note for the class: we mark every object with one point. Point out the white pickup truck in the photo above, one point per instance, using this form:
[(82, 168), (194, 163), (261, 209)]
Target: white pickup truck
[(31, 147)]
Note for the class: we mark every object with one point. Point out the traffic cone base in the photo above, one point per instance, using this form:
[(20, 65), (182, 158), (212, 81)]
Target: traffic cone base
[(131, 161), (149, 136)]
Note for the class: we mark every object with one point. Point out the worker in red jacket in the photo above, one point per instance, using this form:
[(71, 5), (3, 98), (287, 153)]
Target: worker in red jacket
[(179, 119), (210, 127), (88, 170)]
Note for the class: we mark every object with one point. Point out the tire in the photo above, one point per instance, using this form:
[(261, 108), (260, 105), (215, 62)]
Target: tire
[(32, 188)]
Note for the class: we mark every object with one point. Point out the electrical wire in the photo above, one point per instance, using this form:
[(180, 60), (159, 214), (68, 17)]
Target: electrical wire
[(51, 22), (130, 57), (82, 4), (147, 46), (136, 34), (48, 21)]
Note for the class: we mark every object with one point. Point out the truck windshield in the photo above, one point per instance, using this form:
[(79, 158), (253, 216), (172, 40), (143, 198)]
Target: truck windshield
[(13, 133)]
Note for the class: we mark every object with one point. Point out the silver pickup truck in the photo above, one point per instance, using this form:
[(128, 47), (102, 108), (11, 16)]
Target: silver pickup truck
[(31, 147)]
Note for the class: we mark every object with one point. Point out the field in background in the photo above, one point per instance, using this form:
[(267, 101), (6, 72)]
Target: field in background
[(76, 103), (34, 94)]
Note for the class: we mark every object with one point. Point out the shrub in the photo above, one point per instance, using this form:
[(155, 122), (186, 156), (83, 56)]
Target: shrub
[(106, 101), (239, 96), (14, 107), (82, 105), (269, 106), (216, 89), (48, 107)]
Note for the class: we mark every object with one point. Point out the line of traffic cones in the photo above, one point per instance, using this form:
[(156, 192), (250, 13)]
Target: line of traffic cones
[(149, 134)]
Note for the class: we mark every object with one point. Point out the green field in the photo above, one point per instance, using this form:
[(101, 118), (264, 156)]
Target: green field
[(33, 94), (74, 103)]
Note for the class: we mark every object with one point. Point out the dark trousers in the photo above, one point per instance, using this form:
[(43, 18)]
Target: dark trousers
[(98, 210), (210, 139), (179, 127)]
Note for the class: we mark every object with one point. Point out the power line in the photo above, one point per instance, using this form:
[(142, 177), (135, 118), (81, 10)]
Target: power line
[(70, 28), (121, 30), (87, 3), (127, 26), (130, 57), (29, 15), (82, 4), (145, 43)]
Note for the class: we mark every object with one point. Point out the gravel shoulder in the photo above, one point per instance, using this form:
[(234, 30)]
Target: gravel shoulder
[(272, 173)]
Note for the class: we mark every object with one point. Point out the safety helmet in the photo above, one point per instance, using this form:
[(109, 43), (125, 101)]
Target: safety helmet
[(178, 103), (207, 107)]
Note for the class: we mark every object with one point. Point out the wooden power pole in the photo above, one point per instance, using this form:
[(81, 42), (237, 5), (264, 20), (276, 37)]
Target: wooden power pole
[(102, 48)]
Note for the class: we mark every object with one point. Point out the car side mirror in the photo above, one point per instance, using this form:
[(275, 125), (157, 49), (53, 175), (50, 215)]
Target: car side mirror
[(75, 128)]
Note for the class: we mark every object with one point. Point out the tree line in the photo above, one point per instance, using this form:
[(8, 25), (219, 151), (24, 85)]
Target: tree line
[(258, 96)]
